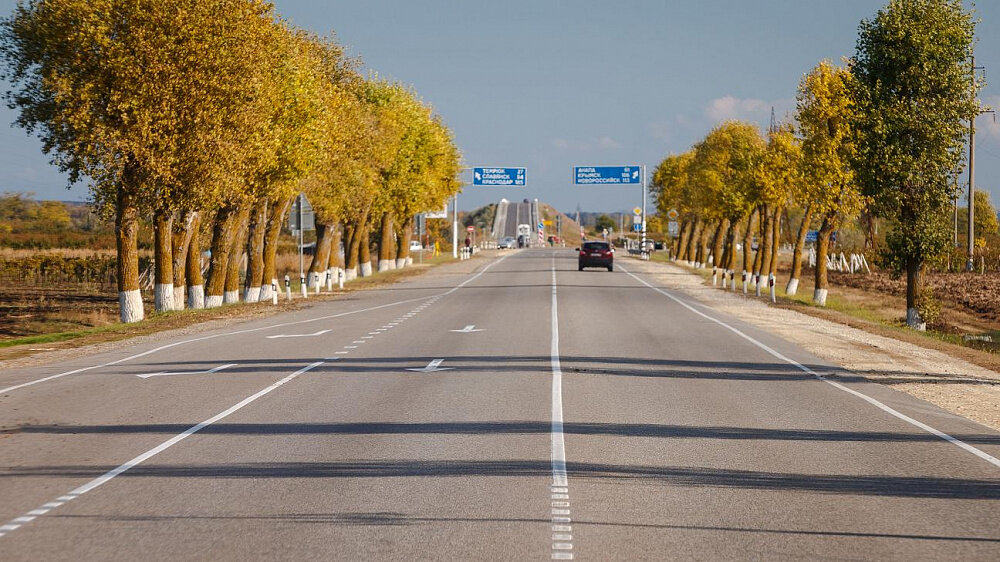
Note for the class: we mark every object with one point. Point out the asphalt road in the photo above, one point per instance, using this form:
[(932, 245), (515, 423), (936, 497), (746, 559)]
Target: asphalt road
[(553, 414), (516, 213)]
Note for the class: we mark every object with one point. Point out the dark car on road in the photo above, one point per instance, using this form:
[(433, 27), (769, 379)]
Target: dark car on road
[(596, 254)]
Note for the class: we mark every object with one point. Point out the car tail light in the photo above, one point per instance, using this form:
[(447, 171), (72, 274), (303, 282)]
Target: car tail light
[(583, 252)]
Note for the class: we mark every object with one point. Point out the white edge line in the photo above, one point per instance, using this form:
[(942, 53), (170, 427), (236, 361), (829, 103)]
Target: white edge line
[(938, 433), (249, 330)]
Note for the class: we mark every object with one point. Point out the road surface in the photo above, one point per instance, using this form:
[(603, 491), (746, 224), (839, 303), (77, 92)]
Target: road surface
[(521, 411)]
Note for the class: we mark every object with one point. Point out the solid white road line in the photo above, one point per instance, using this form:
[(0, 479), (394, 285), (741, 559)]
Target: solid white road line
[(953, 440), (560, 482), (106, 477), (432, 298)]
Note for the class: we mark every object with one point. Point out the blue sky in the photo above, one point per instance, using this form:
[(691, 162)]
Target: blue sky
[(549, 84)]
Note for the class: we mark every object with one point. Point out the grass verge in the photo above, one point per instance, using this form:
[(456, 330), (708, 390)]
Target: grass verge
[(19, 347)]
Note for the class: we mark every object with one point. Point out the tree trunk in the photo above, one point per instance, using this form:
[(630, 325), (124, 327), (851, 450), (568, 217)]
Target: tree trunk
[(364, 250), (914, 286), (692, 245), (235, 259), (775, 241), (275, 218), (255, 252), (766, 239), (336, 259), (385, 243), (747, 249), (822, 250), (126, 240), (731, 262), (800, 243), (223, 233), (682, 244), (195, 282), (403, 243), (180, 240), (321, 258), (163, 261), (699, 250), (717, 239), (352, 247)]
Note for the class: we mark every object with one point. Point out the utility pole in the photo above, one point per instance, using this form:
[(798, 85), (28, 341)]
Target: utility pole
[(971, 246), (971, 242)]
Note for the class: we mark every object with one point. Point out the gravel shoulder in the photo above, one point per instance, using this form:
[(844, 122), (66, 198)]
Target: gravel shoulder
[(949, 382)]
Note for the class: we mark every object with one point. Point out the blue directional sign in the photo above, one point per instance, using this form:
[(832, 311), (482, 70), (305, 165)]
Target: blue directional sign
[(498, 176), (593, 175)]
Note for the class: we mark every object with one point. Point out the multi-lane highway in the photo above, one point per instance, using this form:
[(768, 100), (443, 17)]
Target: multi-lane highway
[(511, 214), (512, 409)]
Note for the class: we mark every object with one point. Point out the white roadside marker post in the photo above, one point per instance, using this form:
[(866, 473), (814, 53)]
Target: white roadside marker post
[(288, 287), (274, 291), (340, 278), (302, 286)]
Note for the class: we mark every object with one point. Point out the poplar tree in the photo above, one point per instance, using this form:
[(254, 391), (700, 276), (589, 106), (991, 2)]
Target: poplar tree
[(826, 112), (915, 96)]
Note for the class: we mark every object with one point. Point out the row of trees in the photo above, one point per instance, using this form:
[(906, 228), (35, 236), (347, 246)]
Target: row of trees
[(216, 114), (881, 137)]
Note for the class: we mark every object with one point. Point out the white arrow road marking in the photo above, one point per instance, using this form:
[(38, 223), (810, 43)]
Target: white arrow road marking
[(167, 374), (319, 333), (467, 329), (432, 367)]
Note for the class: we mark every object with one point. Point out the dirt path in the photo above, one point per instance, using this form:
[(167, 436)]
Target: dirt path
[(951, 383)]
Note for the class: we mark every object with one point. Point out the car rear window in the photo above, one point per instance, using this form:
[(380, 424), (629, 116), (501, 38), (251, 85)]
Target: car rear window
[(596, 246)]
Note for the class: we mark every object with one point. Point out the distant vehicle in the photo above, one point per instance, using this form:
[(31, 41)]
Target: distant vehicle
[(415, 246), (596, 254), (522, 241), (523, 230), (507, 242)]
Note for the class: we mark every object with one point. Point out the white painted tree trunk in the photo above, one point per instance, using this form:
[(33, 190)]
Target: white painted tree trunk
[(163, 297), (385, 265), (401, 263), (266, 292), (793, 287), (130, 305), (350, 274), (230, 297), (252, 294), (366, 269), (819, 297), (196, 296), (213, 301), (179, 297), (914, 321)]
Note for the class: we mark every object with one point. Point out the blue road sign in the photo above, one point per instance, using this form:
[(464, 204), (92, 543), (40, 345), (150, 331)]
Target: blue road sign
[(593, 175), (498, 176), (813, 236), (637, 227)]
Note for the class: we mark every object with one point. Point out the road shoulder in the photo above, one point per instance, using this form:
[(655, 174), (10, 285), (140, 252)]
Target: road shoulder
[(950, 383)]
